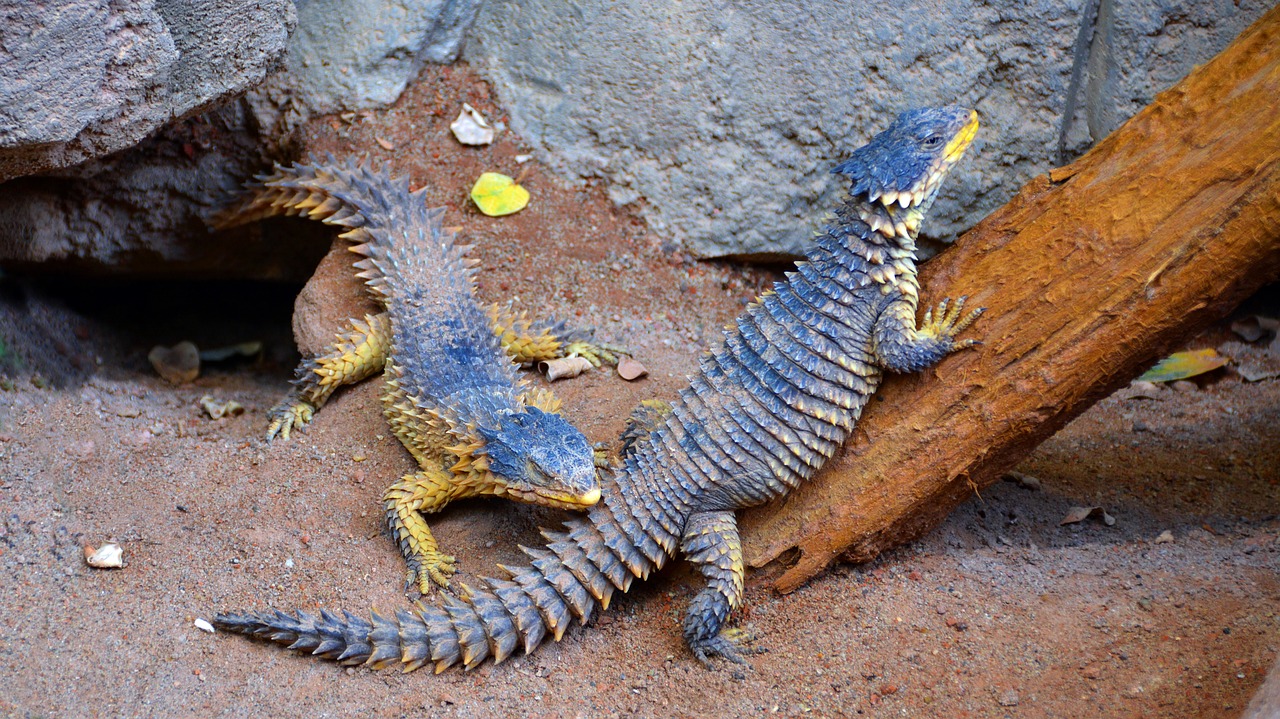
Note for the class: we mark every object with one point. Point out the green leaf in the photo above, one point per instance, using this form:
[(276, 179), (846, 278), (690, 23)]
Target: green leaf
[(1182, 365), (498, 195)]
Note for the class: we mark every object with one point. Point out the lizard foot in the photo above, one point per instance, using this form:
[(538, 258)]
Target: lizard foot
[(732, 644), (287, 416), (947, 322), (594, 352), (600, 455), (430, 569)]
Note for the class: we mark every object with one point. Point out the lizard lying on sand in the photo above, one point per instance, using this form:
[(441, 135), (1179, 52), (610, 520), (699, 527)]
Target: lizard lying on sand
[(452, 395), (762, 415)]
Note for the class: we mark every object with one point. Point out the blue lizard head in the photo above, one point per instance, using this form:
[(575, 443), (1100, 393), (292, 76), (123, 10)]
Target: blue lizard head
[(905, 163), (538, 457)]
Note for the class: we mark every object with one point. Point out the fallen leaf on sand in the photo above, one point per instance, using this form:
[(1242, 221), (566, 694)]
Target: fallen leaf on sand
[(1025, 481), (218, 410), (564, 367), (244, 349), (1181, 365), (1079, 514), (178, 364), (630, 369), (496, 195)]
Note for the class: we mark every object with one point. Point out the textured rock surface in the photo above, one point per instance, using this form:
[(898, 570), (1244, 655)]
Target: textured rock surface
[(96, 77), (351, 54), (83, 78), (725, 120), (141, 211)]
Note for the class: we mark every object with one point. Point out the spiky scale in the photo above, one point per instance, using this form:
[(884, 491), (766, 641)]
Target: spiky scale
[(415, 646), (498, 627)]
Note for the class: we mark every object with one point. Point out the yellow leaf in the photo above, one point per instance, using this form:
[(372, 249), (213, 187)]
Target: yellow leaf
[(498, 195), (1181, 365)]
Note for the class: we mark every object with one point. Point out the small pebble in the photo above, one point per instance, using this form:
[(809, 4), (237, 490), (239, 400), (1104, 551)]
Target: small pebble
[(204, 626), (108, 556), (1009, 699), (1165, 537)]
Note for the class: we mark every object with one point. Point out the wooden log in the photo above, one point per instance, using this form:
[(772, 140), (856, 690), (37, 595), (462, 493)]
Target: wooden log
[(1090, 274)]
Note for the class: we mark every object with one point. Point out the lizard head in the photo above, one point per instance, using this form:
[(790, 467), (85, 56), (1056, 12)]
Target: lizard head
[(900, 170), (539, 458)]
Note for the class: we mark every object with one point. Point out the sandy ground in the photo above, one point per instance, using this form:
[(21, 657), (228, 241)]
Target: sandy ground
[(1000, 612)]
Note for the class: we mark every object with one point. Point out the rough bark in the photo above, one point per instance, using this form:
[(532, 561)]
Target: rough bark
[(1089, 274)]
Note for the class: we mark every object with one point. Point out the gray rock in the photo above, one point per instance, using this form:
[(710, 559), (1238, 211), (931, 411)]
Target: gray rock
[(83, 78), (142, 211), (98, 77), (726, 119), (351, 54)]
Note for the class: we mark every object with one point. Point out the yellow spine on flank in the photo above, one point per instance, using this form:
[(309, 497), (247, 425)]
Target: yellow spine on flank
[(519, 339)]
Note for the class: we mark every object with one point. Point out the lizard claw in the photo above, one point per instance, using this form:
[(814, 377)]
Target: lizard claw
[(431, 569), (287, 416), (949, 320), (600, 455), (731, 644)]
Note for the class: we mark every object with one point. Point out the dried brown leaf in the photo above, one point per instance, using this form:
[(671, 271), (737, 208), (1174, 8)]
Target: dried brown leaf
[(630, 369), (1079, 514)]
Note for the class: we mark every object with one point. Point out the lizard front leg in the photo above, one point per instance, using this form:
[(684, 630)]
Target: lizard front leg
[(711, 542), (526, 340), (424, 492), (358, 352), (900, 347)]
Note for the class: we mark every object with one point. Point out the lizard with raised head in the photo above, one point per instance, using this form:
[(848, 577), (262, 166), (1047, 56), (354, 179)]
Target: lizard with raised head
[(763, 413), (452, 393)]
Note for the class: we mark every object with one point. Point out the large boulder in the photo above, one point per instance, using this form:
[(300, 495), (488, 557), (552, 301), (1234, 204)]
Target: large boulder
[(725, 122), (83, 78)]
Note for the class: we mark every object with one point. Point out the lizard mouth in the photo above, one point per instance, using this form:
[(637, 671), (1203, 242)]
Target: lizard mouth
[(549, 498), (924, 188)]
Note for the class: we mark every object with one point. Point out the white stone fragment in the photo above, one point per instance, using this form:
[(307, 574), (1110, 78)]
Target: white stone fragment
[(471, 128), (108, 556)]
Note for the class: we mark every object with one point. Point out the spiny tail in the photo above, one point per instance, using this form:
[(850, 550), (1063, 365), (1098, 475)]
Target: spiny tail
[(391, 227), (346, 195), (578, 571)]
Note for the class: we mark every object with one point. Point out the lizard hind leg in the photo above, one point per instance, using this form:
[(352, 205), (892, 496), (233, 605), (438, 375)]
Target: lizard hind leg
[(711, 542), (405, 503)]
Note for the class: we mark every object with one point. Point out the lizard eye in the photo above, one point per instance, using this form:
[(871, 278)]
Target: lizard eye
[(932, 141)]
